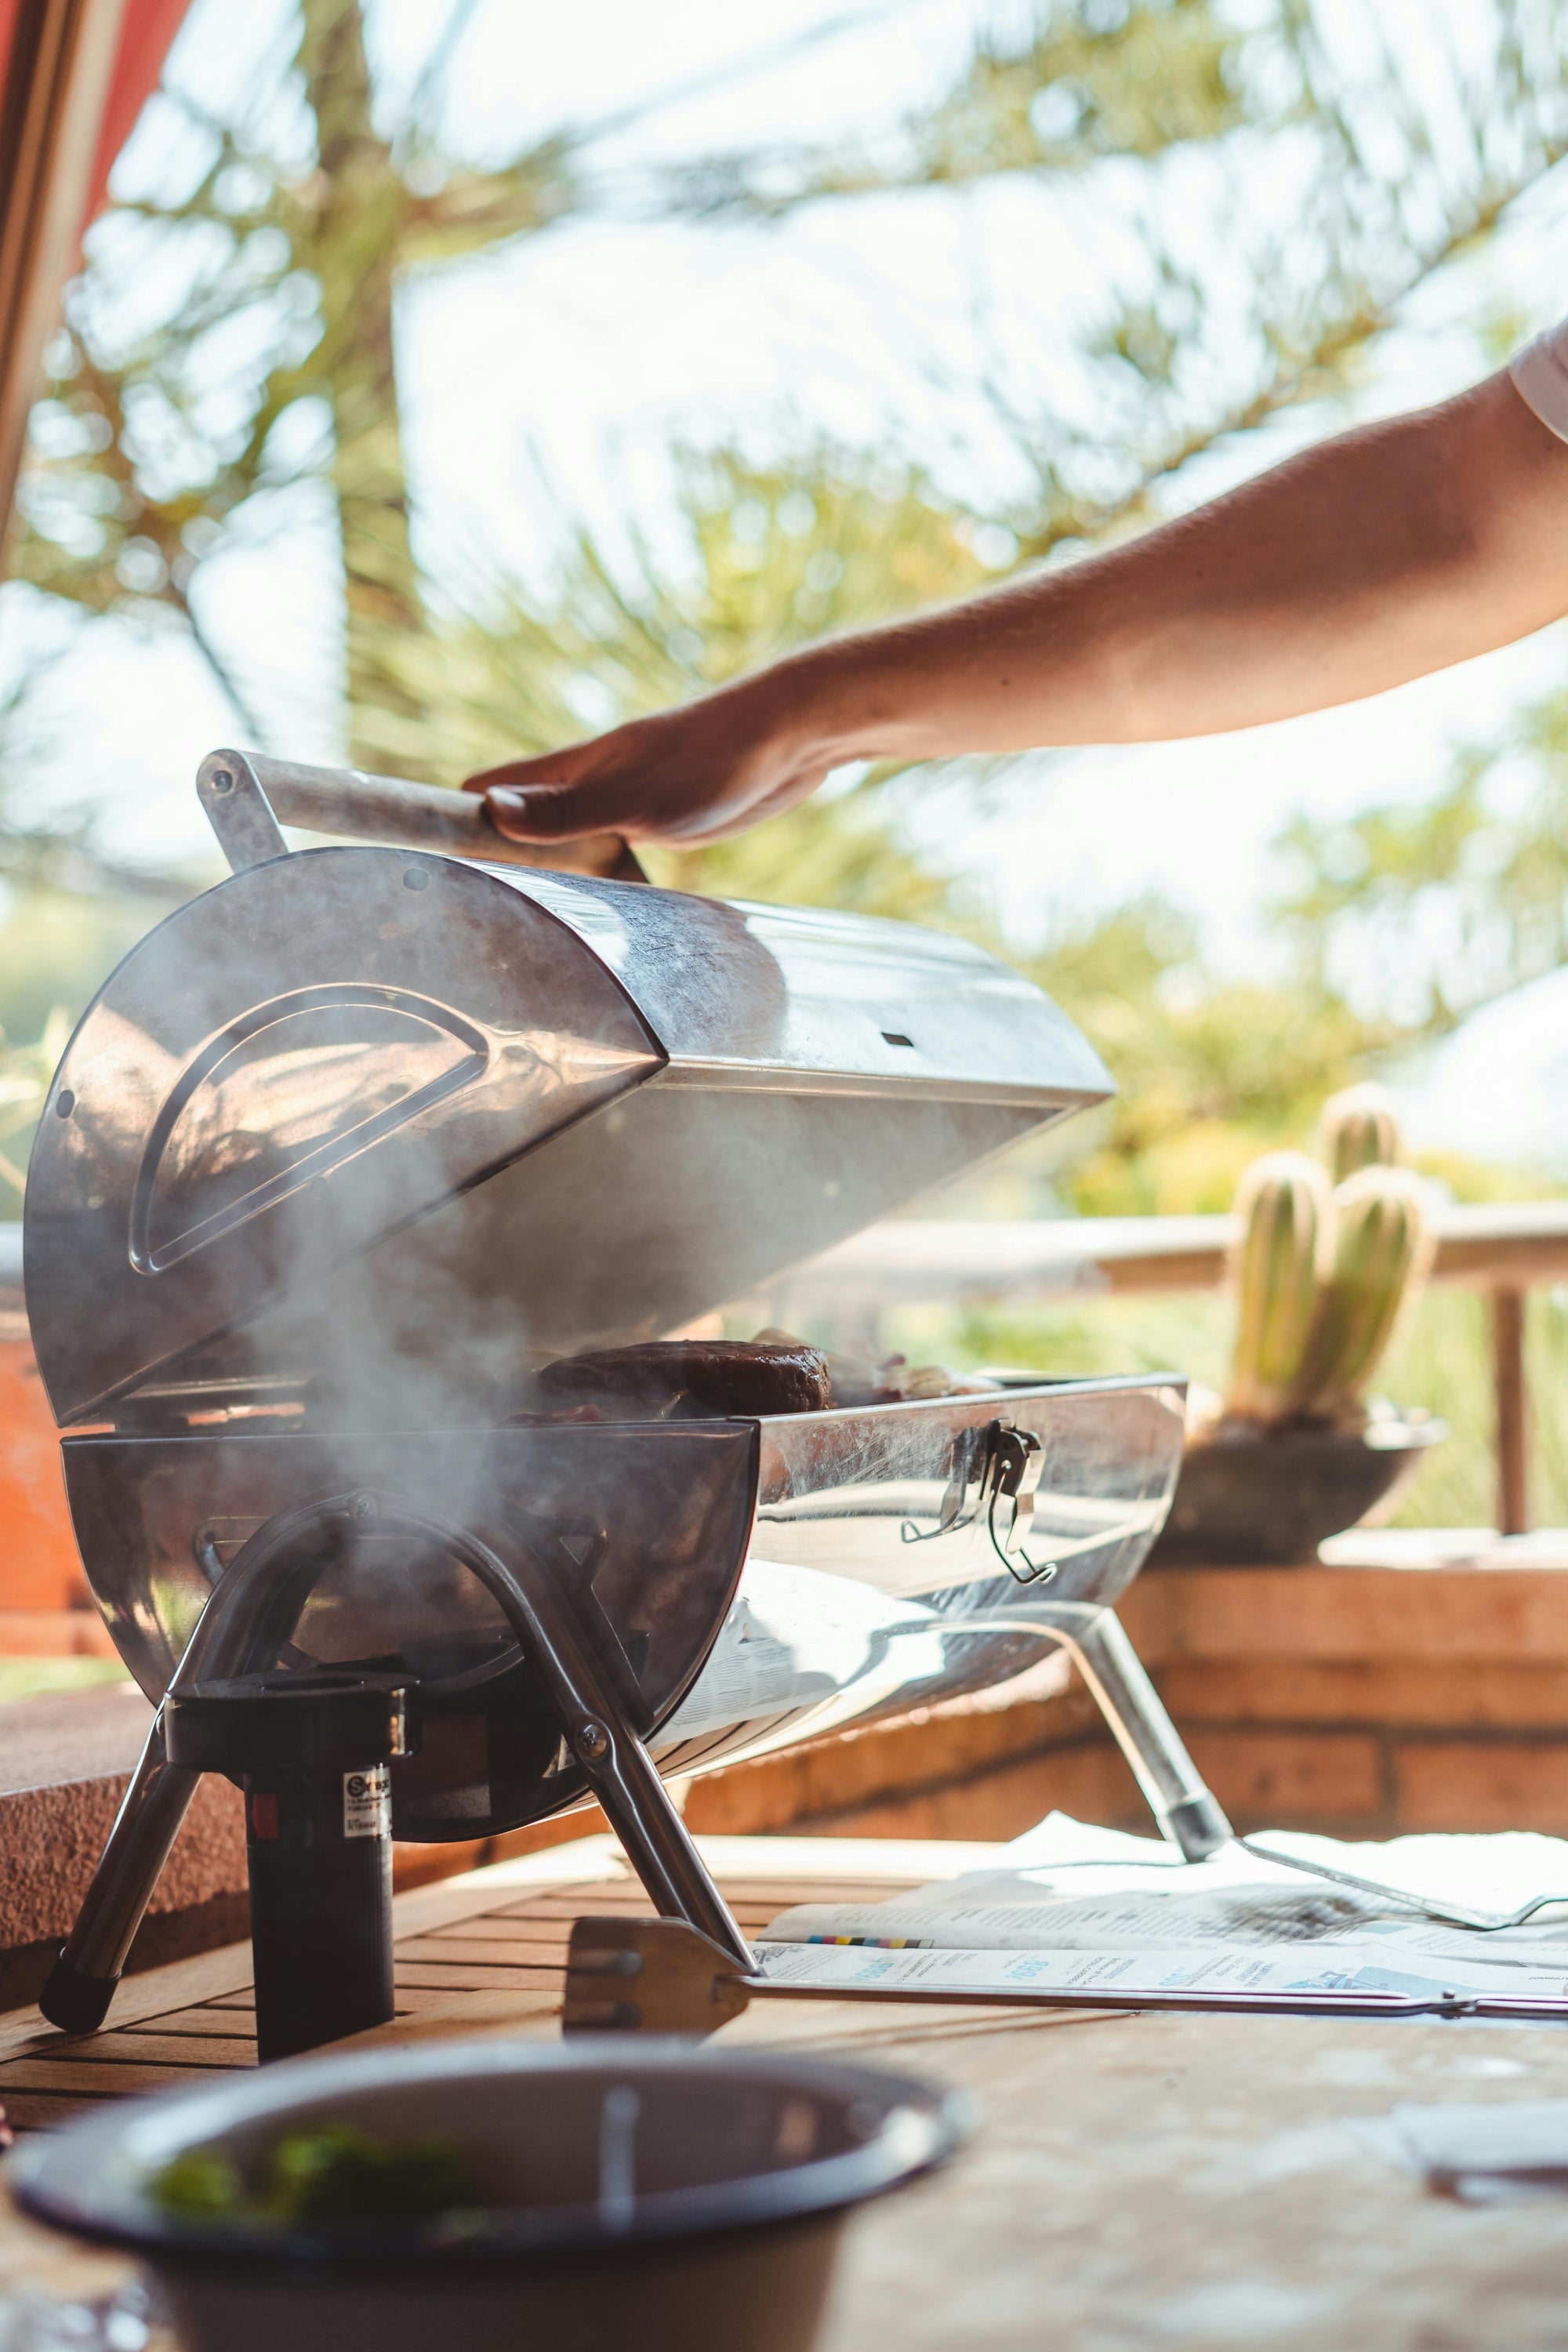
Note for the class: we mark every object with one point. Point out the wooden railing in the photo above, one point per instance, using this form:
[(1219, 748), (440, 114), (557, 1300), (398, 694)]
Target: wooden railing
[(1505, 1249)]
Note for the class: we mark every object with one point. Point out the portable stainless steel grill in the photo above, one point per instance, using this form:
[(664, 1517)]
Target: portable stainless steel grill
[(360, 1137)]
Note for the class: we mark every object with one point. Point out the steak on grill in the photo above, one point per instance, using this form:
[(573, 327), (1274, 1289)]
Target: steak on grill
[(688, 1380)]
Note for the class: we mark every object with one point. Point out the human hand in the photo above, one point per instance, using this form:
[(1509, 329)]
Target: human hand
[(685, 777)]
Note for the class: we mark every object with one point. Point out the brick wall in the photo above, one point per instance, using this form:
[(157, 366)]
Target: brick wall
[(39, 1567), (1359, 1701)]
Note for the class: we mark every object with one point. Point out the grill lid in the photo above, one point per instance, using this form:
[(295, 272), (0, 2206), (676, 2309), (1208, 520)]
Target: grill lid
[(400, 1124)]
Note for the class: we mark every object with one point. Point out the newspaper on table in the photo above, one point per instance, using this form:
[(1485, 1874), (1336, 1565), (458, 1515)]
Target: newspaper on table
[(1077, 1907)]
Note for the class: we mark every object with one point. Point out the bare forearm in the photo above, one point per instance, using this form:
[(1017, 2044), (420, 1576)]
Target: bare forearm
[(1367, 561), (1361, 563)]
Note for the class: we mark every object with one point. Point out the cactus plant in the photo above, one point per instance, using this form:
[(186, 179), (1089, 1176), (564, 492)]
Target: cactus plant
[(1381, 1251), (1359, 1128), (1286, 1212)]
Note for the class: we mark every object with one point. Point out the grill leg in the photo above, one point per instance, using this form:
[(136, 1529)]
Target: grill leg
[(572, 1661), (1187, 1814), (92, 1958), (82, 1981), (659, 1845), (82, 1984)]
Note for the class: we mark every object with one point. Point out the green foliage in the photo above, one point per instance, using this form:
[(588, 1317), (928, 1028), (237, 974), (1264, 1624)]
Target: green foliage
[(1441, 1363), (1209, 1074), (769, 564), (25, 1678), (55, 950), (1455, 897), (290, 233), (774, 556), (1125, 80), (24, 1074), (201, 2184)]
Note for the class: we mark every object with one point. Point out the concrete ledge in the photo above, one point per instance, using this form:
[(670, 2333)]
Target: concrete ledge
[(902, 1763), (65, 1763), (1437, 1615)]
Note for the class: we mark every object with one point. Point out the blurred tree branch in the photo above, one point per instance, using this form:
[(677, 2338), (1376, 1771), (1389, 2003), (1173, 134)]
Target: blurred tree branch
[(1448, 900)]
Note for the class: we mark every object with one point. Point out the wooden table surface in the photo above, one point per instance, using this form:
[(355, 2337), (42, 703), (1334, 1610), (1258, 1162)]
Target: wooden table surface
[(1135, 2181)]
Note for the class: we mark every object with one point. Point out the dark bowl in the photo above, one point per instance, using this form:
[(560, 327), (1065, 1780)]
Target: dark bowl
[(635, 2193), (1254, 1497)]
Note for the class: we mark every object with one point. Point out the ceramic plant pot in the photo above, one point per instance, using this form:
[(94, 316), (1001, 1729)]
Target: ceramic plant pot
[(1254, 1497)]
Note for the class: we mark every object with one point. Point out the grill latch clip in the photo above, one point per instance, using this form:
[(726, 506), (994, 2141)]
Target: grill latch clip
[(1016, 1460)]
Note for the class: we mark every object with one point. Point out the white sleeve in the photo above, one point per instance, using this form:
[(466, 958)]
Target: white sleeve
[(1540, 372)]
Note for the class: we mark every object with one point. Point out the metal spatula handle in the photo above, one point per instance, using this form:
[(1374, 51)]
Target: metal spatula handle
[(361, 807)]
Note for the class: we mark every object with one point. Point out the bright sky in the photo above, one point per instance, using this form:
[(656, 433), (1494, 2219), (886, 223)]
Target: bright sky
[(575, 359)]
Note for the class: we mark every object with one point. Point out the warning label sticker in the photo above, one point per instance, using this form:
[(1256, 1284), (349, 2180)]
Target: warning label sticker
[(367, 1803)]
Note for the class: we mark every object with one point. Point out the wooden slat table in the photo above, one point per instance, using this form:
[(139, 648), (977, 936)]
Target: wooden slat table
[(462, 1946), (1135, 2181)]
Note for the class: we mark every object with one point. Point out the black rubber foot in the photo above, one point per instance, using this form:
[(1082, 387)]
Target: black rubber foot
[(1197, 1828), (76, 2003)]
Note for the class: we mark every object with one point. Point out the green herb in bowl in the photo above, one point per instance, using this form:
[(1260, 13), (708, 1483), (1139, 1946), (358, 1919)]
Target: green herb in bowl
[(332, 2175)]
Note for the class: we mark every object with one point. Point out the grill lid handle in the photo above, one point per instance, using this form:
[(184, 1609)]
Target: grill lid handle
[(247, 796)]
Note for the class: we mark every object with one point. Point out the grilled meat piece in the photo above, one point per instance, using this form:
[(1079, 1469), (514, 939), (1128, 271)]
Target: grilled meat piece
[(688, 1379), (856, 1380), (851, 1380)]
